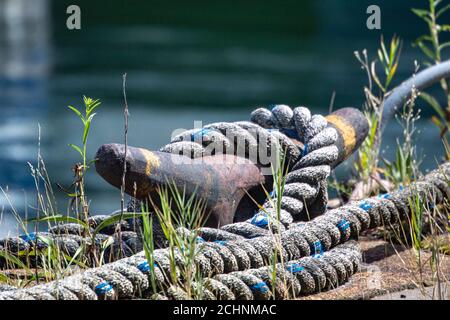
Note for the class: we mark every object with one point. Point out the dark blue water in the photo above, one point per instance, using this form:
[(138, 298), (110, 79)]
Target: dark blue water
[(204, 61)]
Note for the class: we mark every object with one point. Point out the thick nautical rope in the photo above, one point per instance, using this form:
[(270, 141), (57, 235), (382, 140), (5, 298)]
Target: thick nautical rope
[(288, 280), (305, 183), (226, 262), (131, 277), (308, 168)]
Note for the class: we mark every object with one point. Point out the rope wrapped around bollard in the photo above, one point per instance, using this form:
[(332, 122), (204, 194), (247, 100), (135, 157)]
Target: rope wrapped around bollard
[(305, 183), (309, 167)]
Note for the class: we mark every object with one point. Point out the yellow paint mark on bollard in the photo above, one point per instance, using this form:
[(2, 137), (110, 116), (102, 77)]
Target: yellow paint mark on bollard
[(152, 161), (347, 132)]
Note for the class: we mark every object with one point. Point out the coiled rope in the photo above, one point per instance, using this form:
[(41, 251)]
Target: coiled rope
[(129, 277)]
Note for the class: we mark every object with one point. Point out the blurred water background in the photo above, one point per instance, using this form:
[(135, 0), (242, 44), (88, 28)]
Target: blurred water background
[(186, 60)]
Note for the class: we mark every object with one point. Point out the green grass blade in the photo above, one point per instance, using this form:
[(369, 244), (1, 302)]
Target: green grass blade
[(113, 219), (76, 148), (59, 218), (76, 111)]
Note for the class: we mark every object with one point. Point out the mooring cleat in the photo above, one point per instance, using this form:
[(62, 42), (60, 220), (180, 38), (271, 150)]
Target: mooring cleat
[(221, 182)]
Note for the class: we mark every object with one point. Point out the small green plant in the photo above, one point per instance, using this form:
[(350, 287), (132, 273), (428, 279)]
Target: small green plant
[(180, 218), (400, 171), (54, 263), (417, 209), (54, 260), (367, 163), (437, 248), (149, 245), (433, 48), (80, 169), (368, 153), (389, 63), (279, 172), (405, 168)]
